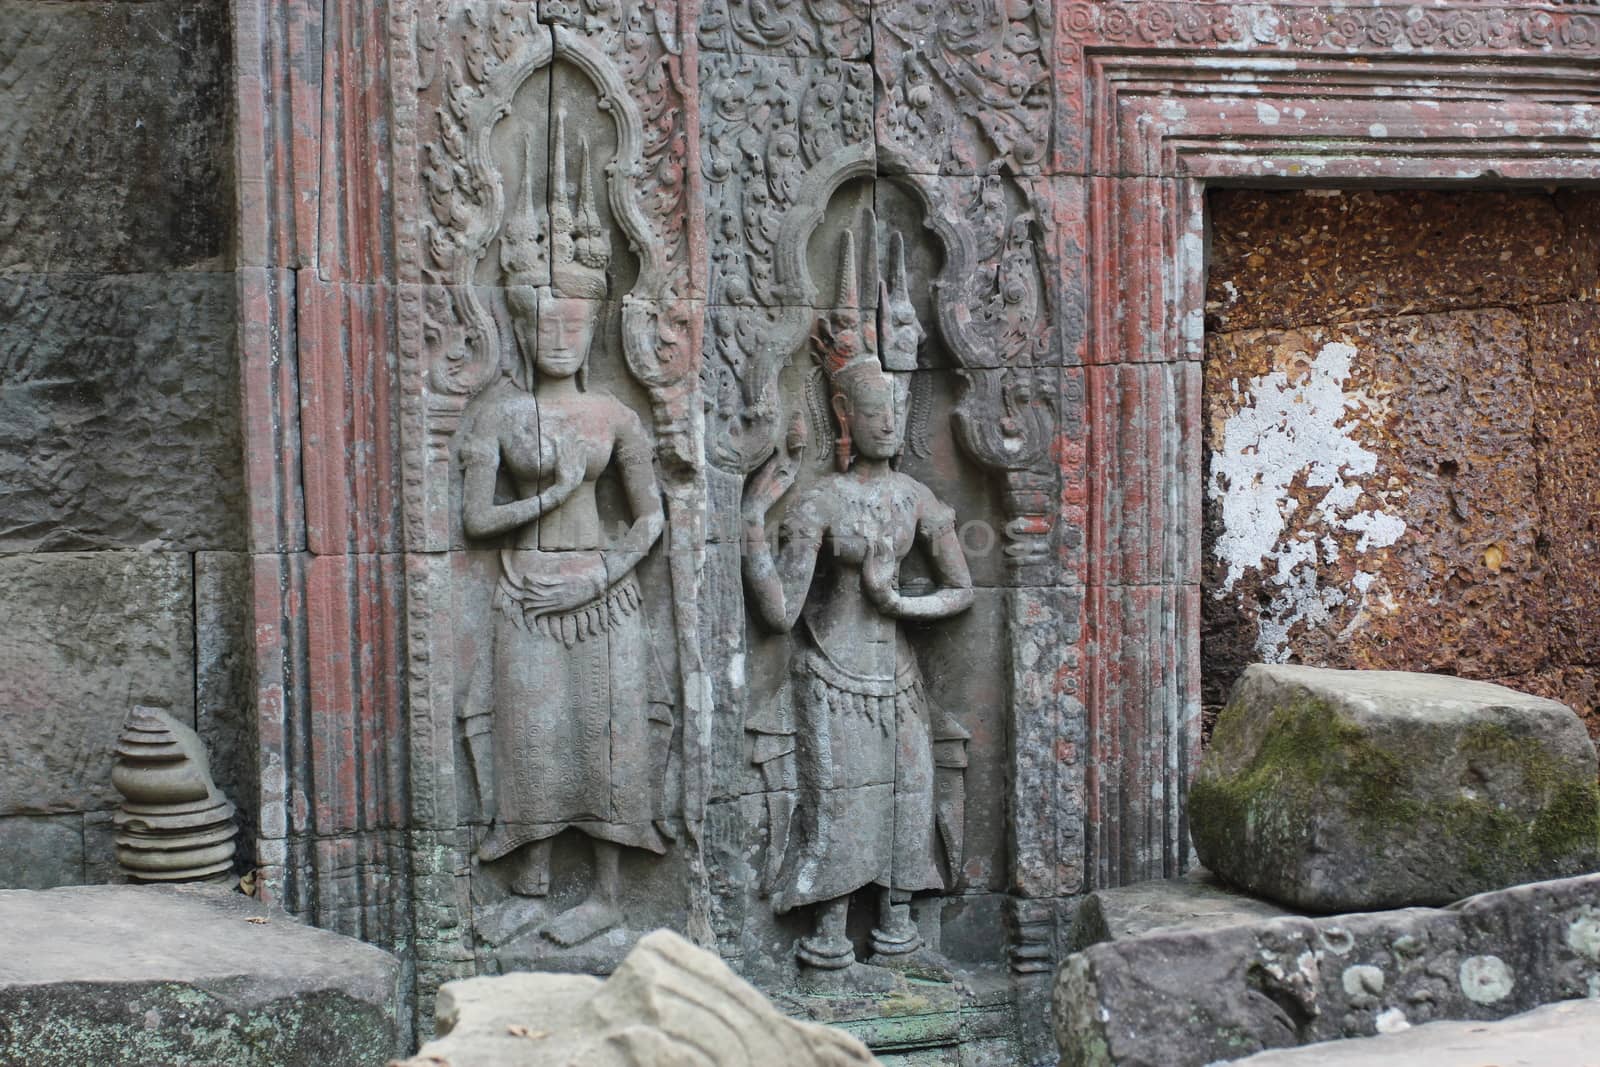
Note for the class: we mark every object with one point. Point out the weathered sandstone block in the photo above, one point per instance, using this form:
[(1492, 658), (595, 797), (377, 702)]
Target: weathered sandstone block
[(1195, 901), (119, 408), (185, 975), (669, 1002), (1345, 790), (83, 635), (114, 146), (1190, 996)]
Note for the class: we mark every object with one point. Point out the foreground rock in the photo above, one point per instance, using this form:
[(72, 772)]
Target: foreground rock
[(1556, 1035), (1184, 997), (185, 975), (1348, 790), (668, 1003)]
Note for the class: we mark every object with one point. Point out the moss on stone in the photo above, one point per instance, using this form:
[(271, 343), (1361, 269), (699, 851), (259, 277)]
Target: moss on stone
[(1311, 757), (1308, 748)]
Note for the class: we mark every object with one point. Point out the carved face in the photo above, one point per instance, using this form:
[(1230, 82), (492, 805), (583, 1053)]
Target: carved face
[(556, 330), (867, 407)]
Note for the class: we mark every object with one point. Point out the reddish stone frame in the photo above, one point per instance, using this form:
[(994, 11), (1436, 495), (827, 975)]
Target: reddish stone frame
[(1169, 99), (1153, 101)]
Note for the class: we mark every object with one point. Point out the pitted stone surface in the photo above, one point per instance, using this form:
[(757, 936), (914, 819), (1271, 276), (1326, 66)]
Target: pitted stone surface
[(1286, 259), (185, 975), (82, 637), (1341, 790), (119, 406), (1187, 997), (1400, 414)]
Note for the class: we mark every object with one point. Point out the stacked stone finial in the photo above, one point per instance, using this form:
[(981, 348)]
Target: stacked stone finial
[(174, 824)]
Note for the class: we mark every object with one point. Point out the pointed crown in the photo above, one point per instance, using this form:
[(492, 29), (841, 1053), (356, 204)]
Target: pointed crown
[(846, 340), (575, 259)]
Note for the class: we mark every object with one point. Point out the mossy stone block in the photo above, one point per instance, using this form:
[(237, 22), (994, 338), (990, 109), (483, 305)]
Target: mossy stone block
[(1334, 790)]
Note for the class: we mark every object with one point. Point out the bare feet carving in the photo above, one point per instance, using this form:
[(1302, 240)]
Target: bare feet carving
[(532, 878)]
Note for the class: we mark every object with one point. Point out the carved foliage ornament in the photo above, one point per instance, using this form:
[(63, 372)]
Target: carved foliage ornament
[(473, 59), (977, 65), (834, 28), (779, 136), (1387, 28)]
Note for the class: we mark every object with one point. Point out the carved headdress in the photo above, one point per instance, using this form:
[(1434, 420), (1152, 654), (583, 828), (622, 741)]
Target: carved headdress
[(574, 261), (847, 339)]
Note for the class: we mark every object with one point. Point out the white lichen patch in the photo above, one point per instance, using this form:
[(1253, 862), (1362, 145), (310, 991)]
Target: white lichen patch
[(1583, 934), (1291, 431), (1363, 984), (1485, 979), (1391, 1021)]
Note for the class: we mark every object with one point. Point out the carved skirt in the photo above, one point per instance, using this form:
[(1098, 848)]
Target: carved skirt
[(572, 723), (865, 769)]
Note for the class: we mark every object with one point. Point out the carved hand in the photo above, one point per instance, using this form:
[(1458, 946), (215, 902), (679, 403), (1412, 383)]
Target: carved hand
[(575, 583), (880, 573), (774, 478), (570, 466), (770, 482)]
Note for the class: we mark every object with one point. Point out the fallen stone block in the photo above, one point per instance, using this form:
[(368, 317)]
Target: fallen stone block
[(1187, 997), (186, 975), (1195, 901), (1556, 1035), (668, 1003), (1349, 790)]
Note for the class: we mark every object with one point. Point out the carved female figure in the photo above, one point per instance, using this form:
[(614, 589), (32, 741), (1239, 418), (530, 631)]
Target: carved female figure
[(571, 722), (865, 730)]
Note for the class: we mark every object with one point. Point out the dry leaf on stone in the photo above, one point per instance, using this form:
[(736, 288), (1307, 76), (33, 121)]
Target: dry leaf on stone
[(518, 1030)]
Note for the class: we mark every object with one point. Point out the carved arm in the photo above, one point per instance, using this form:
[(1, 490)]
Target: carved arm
[(777, 588), (481, 516), (644, 500), (954, 596)]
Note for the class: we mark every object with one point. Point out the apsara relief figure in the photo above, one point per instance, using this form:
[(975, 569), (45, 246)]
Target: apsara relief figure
[(868, 744), (572, 731)]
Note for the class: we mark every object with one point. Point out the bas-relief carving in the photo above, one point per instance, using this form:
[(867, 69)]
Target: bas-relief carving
[(550, 447), (578, 736), (579, 621), (875, 766), (964, 85)]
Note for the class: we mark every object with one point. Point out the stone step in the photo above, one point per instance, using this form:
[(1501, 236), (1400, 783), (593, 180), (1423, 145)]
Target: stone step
[(1557, 1035)]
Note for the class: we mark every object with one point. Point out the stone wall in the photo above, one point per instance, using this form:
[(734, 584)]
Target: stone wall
[(1402, 418), (122, 567)]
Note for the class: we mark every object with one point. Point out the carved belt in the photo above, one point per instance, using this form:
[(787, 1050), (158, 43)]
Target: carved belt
[(581, 623), (836, 677)]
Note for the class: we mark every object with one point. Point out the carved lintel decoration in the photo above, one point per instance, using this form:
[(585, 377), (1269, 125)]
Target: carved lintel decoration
[(780, 137), (967, 85)]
